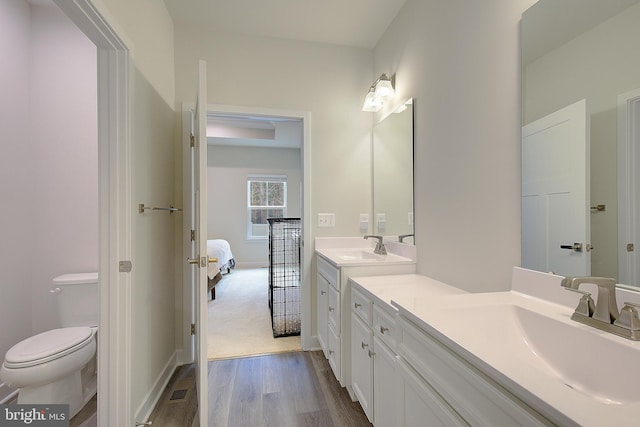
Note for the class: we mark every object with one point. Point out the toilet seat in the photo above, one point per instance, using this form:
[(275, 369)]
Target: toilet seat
[(48, 346)]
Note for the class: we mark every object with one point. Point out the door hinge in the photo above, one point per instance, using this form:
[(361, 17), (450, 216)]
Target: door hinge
[(192, 140), (193, 329), (193, 235), (630, 247), (125, 266)]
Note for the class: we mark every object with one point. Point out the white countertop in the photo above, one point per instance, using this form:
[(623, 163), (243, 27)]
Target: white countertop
[(408, 289)]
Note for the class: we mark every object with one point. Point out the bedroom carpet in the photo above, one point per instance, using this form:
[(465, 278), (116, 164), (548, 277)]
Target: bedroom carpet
[(239, 320)]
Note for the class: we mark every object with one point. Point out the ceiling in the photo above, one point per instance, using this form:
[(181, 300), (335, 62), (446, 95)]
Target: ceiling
[(551, 23), (356, 23), (240, 130)]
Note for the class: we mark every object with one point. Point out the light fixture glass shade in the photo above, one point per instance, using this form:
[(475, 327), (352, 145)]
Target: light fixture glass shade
[(371, 103), (384, 89)]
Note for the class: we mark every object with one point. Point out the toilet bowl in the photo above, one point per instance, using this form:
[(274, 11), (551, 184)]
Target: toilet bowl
[(59, 366)]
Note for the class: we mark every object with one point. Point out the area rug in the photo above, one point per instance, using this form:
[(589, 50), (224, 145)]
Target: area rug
[(239, 319)]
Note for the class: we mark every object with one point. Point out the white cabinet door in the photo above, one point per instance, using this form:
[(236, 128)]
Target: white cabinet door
[(322, 312), (362, 364), (387, 386), (334, 350), (423, 406)]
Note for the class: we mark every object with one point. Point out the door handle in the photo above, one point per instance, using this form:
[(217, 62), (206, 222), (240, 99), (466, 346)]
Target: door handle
[(577, 247), (202, 261)]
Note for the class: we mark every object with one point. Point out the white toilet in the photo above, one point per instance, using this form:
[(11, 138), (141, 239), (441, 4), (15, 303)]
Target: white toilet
[(59, 366)]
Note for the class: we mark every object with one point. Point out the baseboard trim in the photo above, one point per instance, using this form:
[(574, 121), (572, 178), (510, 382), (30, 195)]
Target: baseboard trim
[(313, 344), (251, 265), (149, 403)]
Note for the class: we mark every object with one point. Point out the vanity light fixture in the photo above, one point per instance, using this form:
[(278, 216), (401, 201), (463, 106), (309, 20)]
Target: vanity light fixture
[(371, 103), (380, 91)]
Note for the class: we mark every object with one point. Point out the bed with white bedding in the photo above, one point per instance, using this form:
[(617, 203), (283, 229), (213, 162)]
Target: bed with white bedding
[(221, 250)]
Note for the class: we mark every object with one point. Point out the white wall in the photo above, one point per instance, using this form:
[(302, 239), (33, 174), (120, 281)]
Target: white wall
[(16, 183), (228, 169), (459, 59), (49, 163), (328, 81), (63, 129), (599, 65)]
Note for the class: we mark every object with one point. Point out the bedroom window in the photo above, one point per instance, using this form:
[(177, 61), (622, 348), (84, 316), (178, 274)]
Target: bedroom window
[(266, 198)]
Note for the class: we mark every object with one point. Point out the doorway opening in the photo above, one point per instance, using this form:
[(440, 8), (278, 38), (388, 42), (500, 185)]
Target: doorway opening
[(244, 249), (248, 153)]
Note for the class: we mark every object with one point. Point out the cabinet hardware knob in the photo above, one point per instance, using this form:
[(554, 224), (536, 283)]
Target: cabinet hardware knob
[(371, 353), (330, 352), (383, 329), (323, 292), (364, 345), (357, 305), (331, 309)]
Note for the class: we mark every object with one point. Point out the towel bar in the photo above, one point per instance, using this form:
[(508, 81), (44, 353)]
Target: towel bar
[(171, 209)]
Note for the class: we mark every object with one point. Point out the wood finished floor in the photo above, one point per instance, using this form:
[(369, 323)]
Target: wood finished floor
[(296, 389)]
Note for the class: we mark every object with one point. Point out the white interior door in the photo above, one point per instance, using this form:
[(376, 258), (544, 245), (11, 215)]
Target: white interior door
[(628, 190), (555, 193), (198, 258)]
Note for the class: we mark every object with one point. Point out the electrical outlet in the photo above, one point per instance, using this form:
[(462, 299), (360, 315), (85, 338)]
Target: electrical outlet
[(381, 222), (326, 220)]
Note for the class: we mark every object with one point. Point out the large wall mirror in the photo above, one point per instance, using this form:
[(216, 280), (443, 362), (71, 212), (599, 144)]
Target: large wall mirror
[(586, 54), (393, 175)]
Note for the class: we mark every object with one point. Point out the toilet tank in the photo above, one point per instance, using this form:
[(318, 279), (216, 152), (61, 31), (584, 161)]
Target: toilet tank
[(78, 299)]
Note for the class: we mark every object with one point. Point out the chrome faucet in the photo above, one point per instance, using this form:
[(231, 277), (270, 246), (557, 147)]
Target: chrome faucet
[(380, 249), (604, 315), (606, 307)]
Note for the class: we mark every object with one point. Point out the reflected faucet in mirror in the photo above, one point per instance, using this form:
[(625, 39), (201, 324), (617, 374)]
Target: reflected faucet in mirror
[(404, 236)]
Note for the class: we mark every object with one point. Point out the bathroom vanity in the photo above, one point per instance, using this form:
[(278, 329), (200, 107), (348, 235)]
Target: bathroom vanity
[(336, 261), (424, 353)]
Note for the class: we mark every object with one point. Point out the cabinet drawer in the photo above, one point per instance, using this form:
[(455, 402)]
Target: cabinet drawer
[(361, 305), (476, 397), (384, 325), (333, 308), (328, 271)]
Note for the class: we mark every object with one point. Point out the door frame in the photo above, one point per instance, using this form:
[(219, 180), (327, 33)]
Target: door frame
[(628, 158), (114, 186), (307, 341)]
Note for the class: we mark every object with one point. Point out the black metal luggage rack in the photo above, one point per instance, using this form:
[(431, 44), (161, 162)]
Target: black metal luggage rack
[(284, 275)]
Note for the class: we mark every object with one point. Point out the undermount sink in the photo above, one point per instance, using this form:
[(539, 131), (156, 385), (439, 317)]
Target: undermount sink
[(359, 255), (525, 339)]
